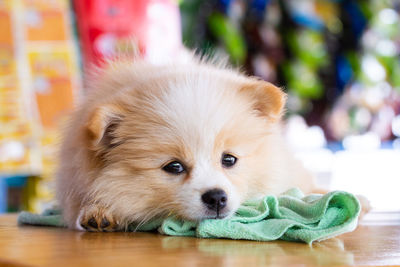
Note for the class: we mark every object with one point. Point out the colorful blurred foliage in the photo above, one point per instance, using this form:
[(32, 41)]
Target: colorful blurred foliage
[(338, 60)]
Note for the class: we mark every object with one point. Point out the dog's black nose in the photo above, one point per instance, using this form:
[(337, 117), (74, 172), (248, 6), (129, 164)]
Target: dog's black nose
[(215, 199)]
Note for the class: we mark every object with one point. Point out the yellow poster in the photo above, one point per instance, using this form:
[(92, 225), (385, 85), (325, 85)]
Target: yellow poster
[(52, 84)]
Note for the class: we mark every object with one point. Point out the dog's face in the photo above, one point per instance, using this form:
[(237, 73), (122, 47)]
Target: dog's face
[(186, 144)]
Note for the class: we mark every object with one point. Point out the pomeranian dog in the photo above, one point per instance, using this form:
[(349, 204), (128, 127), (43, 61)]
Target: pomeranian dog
[(192, 140)]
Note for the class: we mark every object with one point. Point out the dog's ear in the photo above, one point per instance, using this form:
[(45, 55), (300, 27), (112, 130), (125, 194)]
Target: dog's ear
[(268, 100), (102, 125)]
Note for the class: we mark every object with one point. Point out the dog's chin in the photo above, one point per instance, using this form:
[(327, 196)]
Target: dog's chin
[(216, 216), (208, 215)]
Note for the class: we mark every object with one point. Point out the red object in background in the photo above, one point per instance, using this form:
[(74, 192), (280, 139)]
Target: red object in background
[(108, 26)]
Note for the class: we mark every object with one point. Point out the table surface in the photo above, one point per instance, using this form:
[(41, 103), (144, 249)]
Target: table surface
[(376, 242)]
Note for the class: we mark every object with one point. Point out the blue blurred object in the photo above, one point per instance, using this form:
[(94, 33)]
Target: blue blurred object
[(224, 5), (7, 182), (257, 9), (335, 146), (3, 195), (358, 20), (344, 73), (308, 21), (338, 146), (16, 181), (259, 4)]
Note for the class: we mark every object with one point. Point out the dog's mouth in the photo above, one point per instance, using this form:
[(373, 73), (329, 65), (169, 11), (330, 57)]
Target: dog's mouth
[(217, 215)]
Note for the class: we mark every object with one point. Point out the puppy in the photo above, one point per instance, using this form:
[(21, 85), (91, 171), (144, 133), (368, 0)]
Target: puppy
[(193, 140)]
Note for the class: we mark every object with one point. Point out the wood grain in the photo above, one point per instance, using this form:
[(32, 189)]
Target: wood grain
[(376, 244)]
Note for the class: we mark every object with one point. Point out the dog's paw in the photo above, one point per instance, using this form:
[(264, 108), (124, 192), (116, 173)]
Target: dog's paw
[(96, 219)]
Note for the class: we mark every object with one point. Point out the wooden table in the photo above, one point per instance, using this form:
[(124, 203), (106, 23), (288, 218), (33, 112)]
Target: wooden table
[(375, 242)]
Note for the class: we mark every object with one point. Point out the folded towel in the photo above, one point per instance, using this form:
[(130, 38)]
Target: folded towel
[(290, 216), (50, 217)]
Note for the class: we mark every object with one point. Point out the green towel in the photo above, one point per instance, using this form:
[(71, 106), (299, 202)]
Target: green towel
[(50, 217), (290, 216)]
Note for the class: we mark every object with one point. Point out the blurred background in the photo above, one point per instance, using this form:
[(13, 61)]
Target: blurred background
[(338, 60)]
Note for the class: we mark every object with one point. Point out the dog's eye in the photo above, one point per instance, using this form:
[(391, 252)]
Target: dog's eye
[(228, 160), (174, 167)]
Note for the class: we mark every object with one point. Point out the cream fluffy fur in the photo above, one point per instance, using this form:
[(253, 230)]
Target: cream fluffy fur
[(138, 117)]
